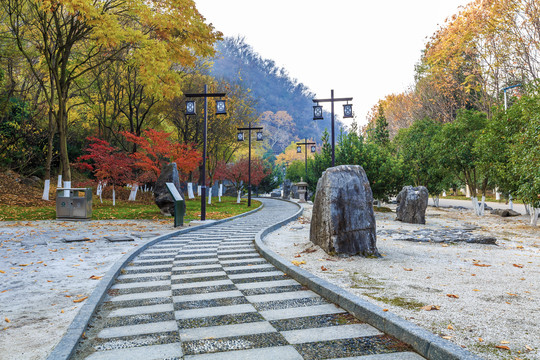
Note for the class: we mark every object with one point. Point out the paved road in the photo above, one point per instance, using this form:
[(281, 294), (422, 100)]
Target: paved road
[(208, 295)]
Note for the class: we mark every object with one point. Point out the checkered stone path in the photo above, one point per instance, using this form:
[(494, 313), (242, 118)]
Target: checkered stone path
[(208, 295)]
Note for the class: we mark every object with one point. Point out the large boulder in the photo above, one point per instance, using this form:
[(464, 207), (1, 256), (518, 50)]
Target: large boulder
[(412, 203), (343, 220), (162, 197)]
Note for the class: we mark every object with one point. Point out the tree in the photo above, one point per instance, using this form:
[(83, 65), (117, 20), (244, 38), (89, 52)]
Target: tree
[(278, 129), (66, 40), (237, 173), (455, 151), (415, 147), (107, 163), (155, 150)]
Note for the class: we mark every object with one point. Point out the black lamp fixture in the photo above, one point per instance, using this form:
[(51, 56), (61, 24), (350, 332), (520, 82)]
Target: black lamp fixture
[(191, 108), (298, 149), (317, 112), (313, 148), (220, 107), (347, 111), (240, 137)]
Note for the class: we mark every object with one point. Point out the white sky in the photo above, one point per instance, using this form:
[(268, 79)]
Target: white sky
[(361, 49)]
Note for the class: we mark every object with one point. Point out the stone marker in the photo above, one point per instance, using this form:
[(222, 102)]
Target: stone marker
[(162, 197), (119, 238), (286, 188), (343, 220), (412, 203)]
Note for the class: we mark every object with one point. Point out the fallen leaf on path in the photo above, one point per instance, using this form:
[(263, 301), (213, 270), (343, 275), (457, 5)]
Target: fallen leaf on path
[(80, 300), (323, 268), (505, 342), (310, 250), (297, 255), (385, 310), (453, 296), (298, 262), (407, 269), (528, 348), (502, 347), (512, 294), (431, 307), (450, 327), (94, 277), (3, 291), (481, 265), (518, 265), (480, 339), (2, 272), (7, 320), (447, 337)]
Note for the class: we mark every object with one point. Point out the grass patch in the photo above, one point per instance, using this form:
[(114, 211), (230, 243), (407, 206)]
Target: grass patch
[(398, 301), (362, 281), (132, 210), (382, 209), (488, 348)]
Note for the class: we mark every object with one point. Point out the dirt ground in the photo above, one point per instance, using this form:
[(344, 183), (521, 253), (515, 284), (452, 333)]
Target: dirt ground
[(44, 280), (484, 297)]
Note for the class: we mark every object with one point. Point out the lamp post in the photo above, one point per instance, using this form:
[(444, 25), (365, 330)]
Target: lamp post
[(299, 150), (318, 115), (241, 138), (506, 89), (191, 110)]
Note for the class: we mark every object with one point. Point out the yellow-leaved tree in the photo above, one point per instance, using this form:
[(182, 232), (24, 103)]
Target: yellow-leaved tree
[(64, 41)]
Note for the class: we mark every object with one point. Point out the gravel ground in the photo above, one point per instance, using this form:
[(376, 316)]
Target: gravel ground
[(44, 280), (487, 296)]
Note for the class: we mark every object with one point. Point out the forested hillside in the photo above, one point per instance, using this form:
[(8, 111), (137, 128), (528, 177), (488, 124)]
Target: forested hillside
[(272, 88)]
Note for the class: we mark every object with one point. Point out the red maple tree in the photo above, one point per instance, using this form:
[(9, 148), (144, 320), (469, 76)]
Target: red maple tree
[(154, 150), (238, 174), (107, 163)]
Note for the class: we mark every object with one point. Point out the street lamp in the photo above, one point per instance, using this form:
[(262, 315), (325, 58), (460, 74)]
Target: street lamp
[(191, 110), (241, 138), (347, 113), (299, 150)]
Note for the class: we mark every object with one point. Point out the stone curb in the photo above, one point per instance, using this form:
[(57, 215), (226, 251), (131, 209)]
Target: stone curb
[(424, 342), (65, 348)]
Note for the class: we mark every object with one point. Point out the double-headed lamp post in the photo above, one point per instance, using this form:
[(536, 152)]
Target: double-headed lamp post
[(241, 138), (318, 115), (191, 110), (306, 144)]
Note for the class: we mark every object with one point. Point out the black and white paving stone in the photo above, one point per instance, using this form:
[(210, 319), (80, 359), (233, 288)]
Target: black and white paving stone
[(208, 295)]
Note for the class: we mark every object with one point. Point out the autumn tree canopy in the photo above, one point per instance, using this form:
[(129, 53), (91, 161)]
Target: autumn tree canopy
[(63, 42)]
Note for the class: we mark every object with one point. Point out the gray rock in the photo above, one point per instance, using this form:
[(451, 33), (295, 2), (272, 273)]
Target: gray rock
[(412, 204), (286, 188), (294, 192), (162, 198), (505, 212), (343, 220)]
